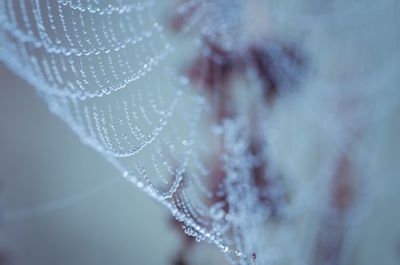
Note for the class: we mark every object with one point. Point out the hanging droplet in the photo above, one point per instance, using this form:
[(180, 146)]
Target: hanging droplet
[(254, 256)]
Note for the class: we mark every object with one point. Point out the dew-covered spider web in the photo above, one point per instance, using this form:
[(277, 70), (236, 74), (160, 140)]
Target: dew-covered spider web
[(108, 70), (113, 72)]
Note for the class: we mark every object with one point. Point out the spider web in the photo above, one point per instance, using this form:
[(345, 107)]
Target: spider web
[(108, 70), (111, 71)]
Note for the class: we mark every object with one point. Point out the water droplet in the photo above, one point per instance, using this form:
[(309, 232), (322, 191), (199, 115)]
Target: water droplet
[(216, 211), (238, 253), (224, 248)]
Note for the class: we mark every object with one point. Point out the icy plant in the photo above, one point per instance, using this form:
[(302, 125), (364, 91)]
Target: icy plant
[(190, 108)]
